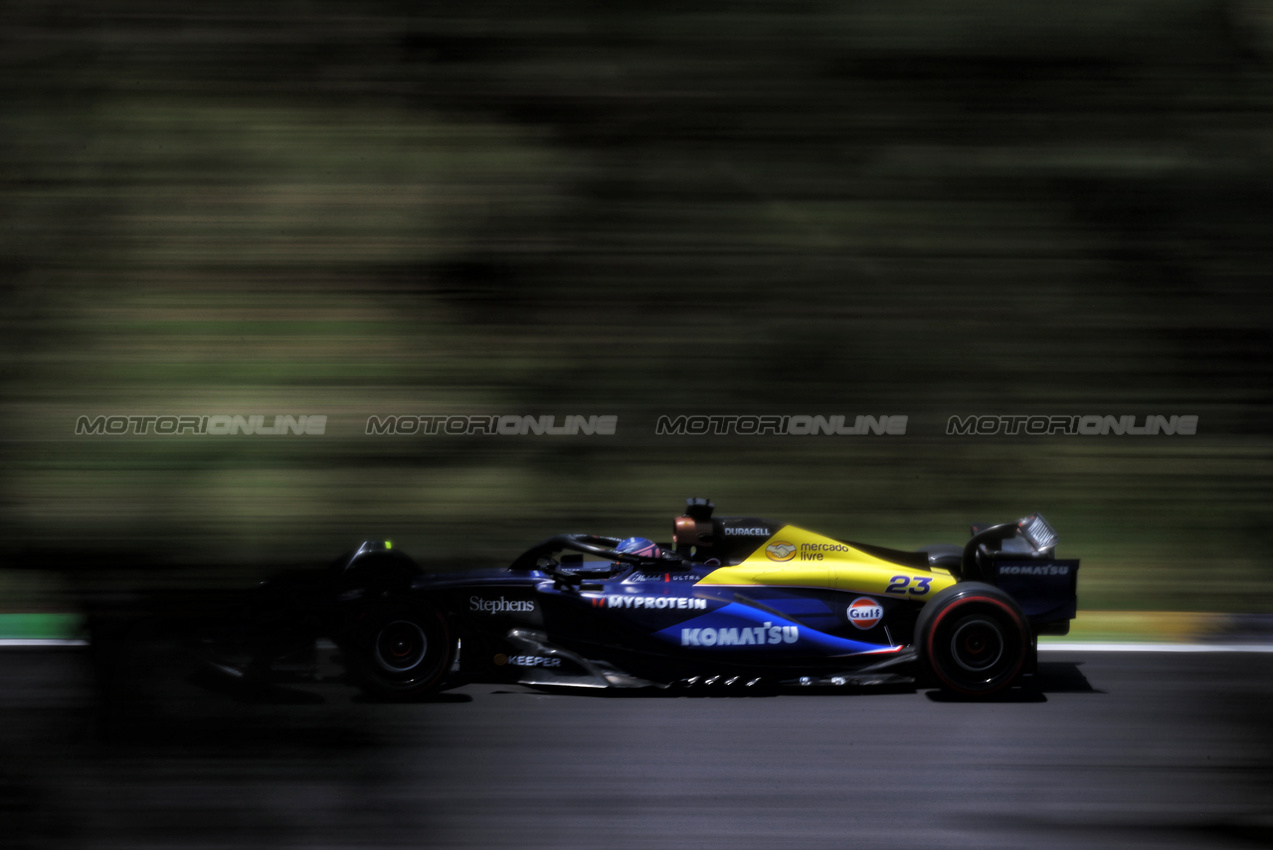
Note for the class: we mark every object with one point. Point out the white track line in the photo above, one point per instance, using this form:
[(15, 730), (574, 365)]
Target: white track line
[(1156, 647), (4, 642)]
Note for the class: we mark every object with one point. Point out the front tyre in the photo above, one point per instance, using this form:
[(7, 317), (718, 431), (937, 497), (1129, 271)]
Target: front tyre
[(401, 652), (974, 638)]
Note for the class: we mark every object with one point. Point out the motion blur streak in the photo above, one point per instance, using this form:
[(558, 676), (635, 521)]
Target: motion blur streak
[(834, 207), (1114, 752), (821, 207)]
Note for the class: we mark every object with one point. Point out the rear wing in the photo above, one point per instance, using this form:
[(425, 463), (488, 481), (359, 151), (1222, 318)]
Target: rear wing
[(1020, 558)]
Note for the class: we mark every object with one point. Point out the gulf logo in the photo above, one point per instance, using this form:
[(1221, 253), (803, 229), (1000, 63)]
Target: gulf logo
[(864, 613)]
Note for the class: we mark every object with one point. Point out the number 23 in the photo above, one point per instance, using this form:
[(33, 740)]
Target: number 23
[(901, 585)]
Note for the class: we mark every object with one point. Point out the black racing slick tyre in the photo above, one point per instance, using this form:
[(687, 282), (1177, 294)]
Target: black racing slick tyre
[(974, 639), (400, 652)]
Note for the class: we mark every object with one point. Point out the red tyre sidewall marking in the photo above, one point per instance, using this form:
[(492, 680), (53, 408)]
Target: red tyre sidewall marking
[(959, 602)]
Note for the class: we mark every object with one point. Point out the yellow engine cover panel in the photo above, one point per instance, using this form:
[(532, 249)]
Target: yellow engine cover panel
[(799, 558)]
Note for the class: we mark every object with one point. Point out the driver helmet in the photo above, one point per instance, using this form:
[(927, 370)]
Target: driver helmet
[(639, 546)]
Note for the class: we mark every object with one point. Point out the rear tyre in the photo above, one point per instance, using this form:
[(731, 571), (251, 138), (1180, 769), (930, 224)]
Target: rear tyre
[(974, 639), (400, 652)]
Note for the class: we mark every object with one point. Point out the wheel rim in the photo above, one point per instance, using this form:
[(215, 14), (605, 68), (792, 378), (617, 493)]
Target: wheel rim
[(977, 645), (401, 646)]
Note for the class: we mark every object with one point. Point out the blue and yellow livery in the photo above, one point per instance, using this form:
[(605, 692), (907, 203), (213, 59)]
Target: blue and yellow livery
[(729, 601)]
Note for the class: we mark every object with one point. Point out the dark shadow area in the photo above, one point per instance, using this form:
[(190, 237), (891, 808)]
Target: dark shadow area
[(1013, 695), (234, 735), (650, 693), (1052, 677), (246, 690), (435, 699), (1063, 677), (1247, 830), (145, 686)]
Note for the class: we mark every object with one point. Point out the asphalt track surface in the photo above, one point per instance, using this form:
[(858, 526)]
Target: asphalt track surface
[(1156, 750)]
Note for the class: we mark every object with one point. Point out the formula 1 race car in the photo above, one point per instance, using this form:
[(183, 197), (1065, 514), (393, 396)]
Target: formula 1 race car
[(731, 601)]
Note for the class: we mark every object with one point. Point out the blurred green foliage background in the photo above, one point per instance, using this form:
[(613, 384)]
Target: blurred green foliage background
[(909, 207)]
